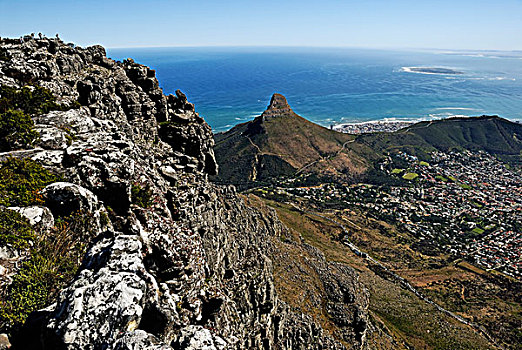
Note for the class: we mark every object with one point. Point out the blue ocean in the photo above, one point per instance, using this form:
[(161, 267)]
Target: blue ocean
[(333, 86)]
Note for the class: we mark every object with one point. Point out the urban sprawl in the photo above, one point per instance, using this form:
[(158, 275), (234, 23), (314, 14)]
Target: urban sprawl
[(468, 204)]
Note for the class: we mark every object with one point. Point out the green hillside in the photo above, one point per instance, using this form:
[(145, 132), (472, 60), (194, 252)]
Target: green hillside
[(491, 134)]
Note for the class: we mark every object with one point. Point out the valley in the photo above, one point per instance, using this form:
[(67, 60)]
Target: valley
[(433, 222)]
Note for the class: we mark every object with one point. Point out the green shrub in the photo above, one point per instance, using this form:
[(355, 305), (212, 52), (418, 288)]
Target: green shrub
[(16, 108), (28, 292), (4, 55), (141, 196), (33, 100), (15, 230), (54, 261), (16, 130), (21, 181)]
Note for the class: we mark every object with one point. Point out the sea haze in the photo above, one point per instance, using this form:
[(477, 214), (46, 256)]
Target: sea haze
[(332, 86)]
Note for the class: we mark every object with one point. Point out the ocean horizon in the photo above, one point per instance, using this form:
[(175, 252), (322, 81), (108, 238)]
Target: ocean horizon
[(330, 86)]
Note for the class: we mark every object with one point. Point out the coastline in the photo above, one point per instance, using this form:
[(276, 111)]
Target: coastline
[(373, 126)]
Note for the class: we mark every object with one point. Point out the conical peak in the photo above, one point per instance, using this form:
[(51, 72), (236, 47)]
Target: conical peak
[(278, 101), (277, 107)]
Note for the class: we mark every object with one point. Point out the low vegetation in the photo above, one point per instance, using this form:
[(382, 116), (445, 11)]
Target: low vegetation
[(141, 196), (52, 257), (16, 130), (53, 262), (15, 230), (21, 181), (17, 106), (31, 99)]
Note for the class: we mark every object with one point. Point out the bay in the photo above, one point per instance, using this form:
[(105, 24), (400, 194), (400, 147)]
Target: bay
[(337, 85)]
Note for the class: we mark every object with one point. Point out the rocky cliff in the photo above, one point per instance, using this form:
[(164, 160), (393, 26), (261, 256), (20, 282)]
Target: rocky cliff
[(172, 261)]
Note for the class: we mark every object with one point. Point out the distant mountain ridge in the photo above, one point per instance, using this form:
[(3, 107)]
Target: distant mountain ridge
[(492, 134), (281, 143), (489, 133)]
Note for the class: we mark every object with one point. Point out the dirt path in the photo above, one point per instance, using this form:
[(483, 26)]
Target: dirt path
[(325, 158)]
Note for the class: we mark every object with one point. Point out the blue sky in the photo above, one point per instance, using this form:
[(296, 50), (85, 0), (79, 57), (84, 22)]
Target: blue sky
[(457, 24)]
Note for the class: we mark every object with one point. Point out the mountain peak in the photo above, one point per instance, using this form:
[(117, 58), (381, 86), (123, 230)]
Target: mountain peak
[(277, 107)]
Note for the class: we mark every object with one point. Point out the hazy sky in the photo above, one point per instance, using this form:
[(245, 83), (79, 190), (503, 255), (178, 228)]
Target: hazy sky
[(456, 24)]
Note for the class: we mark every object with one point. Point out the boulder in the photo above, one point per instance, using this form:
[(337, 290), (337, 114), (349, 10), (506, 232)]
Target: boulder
[(39, 217), (199, 338), (139, 340), (64, 198), (105, 300)]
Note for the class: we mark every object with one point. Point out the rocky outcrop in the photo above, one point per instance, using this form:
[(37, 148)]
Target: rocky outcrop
[(39, 217), (278, 107), (187, 267)]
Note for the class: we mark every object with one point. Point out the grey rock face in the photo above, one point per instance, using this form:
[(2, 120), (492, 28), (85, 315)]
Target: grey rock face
[(39, 217), (109, 293), (199, 338), (138, 340), (278, 107), (65, 198), (192, 269)]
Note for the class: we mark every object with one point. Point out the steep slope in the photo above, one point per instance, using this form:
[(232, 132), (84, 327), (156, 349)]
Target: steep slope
[(491, 134), (280, 142), (172, 261)]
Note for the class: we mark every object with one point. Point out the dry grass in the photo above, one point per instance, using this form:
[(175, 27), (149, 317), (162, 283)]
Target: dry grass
[(405, 321)]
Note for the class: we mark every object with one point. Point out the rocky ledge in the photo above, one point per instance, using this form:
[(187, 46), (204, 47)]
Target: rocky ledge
[(187, 267)]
